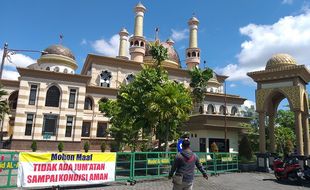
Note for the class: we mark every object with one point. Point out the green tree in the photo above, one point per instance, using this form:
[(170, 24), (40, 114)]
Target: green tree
[(4, 108), (150, 103), (199, 79), (283, 135), (245, 149), (286, 118)]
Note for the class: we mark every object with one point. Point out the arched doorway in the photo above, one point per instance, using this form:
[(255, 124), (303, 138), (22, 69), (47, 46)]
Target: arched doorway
[(282, 78)]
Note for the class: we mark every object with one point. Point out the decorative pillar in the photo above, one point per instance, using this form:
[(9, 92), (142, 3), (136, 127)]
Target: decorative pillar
[(271, 134), (305, 124), (298, 132), (262, 134)]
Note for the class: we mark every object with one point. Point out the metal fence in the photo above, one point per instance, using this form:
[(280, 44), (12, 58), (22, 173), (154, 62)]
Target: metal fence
[(132, 166)]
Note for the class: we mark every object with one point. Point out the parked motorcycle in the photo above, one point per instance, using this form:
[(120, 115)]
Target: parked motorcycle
[(307, 173), (287, 169)]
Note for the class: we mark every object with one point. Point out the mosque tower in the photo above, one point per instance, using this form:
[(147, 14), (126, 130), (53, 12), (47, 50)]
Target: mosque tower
[(123, 37), (137, 41), (193, 52)]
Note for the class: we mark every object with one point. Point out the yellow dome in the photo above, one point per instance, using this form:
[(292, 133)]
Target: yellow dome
[(280, 60)]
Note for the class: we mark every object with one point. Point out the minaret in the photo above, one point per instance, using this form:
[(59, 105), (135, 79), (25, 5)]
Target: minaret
[(193, 52), (123, 37), (137, 41)]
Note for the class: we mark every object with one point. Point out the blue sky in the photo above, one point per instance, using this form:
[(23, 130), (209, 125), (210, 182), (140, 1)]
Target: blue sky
[(234, 36)]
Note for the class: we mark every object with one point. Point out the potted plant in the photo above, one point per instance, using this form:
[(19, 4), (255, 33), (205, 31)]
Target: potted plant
[(86, 146), (61, 147), (103, 147), (34, 146)]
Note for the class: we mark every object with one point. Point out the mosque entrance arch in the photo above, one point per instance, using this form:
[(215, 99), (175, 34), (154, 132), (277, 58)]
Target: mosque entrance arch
[(282, 78)]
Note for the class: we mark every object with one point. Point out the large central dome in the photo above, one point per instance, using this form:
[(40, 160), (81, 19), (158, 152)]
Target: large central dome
[(58, 49), (173, 59)]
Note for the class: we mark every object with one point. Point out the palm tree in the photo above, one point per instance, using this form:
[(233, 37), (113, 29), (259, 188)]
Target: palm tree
[(171, 104), (199, 79)]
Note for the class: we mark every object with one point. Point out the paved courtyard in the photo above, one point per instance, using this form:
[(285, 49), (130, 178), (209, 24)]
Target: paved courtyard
[(231, 181)]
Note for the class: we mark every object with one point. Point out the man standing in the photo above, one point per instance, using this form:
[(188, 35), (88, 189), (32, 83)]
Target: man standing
[(184, 168)]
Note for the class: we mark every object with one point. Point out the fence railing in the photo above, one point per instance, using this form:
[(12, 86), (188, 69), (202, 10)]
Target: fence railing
[(132, 166)]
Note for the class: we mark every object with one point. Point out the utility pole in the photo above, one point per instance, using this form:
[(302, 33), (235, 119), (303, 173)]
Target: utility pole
[(5, 52), (225, 115)]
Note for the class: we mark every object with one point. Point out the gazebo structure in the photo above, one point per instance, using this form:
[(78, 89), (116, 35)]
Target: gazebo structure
[(282, 78)]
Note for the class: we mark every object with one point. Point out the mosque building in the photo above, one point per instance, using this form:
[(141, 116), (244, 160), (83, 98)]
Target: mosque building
[(50, 103)]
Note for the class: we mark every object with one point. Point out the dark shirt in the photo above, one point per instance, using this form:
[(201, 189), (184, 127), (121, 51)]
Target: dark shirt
[(184, 163)]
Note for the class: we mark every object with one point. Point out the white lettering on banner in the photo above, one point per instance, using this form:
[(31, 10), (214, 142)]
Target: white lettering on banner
[(51, 169)]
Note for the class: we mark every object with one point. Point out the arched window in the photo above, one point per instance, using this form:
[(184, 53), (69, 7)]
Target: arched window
[(65, 70), (194, 54), (88, 104), (222, 110), (52, 97), (131, 43), (105, 78), (210, 109), (234, 110), (136, 43), (198, 54), (13, 100), (56, 69), (48, 68), (188, 54), (130, 78), (142, 44)]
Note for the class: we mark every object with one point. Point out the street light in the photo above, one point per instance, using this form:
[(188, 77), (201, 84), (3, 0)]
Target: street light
[(6, 52)]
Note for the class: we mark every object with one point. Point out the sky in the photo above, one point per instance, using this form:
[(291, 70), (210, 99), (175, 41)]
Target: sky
[(235, 37)]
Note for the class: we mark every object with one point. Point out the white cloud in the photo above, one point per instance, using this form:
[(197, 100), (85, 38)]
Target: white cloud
[(178, 35), (248, 103), (17, 60), (107, 47), (290, 34), (11, 75), (289, 2)]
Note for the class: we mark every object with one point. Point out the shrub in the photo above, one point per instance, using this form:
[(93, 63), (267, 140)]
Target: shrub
[(34, 146), (103, 146), (245, 148), (86, 146), (61, 147), (214, 147)]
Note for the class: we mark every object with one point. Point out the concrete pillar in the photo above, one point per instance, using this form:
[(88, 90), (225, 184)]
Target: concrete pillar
[(305, 124), (271, 134), (298, 132), (262, 138), (123, 37)]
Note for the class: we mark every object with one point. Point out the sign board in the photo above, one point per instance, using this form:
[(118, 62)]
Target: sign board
[(156, 161), (52, 169), (179, 145), (47, 136)]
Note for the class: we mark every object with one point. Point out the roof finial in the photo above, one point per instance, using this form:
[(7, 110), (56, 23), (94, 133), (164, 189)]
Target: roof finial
[(156, 33), (61, 37)]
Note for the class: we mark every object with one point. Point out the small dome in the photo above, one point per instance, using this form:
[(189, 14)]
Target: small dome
[(193, 20), (172, 53), (280, 60), (59, 50), (140, 7)]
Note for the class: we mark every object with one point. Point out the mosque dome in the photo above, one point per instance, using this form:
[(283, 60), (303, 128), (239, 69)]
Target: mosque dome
[(58, 49), (57, 58), (280, 60), (173, 59)]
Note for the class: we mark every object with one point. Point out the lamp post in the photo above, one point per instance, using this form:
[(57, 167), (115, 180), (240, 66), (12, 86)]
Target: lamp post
[(6, 52), (225, 116)]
